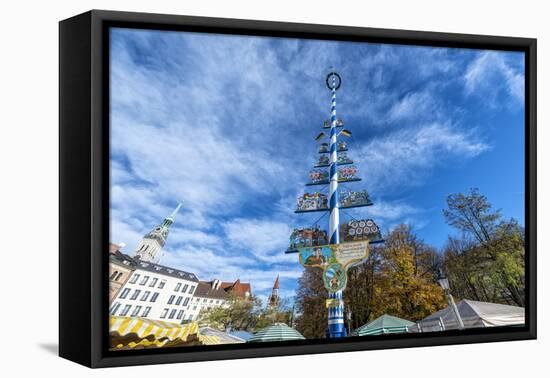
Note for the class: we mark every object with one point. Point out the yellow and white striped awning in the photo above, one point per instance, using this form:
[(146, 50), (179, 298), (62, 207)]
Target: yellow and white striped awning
[(133, 332)]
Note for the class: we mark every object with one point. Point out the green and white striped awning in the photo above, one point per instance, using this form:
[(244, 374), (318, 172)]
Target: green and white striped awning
[(384, 324), (276, 332)]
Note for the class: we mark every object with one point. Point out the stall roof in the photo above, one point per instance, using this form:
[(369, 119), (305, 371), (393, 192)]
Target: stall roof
[(276, 332), (474, 314), (384, 324)]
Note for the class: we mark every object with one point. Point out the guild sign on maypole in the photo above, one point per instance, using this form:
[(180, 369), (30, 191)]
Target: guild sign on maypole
[(316, 248)]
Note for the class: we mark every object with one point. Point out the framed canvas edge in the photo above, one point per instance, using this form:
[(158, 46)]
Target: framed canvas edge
[(97, 326)]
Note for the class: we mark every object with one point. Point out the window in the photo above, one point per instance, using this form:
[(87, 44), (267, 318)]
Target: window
[(153, 282), (191, 289), (180, 314), (124, 293), (172, 314), (154, 297), (125, 310), (162, 283), (146, 311), (217, 302), (190, 317), (134, 279), (136, 293), (164, 313), (144, 280), (194, 308), (145, 295), (185, 288), (204, 300), (118, 276), (136, 311), (171, 299), (178, 286), (179, 300), (115, 308), (113, 276), (211, 301), (185, 301)]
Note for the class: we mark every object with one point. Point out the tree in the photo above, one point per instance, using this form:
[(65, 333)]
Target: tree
[(405, 284), (281, 313), (471, 213), (487, 263), (311, 304), (237, 314)]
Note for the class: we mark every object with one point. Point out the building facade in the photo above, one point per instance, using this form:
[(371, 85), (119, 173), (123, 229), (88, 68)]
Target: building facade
[(156, 292), (121, 268), (208, 295), (215, 293)]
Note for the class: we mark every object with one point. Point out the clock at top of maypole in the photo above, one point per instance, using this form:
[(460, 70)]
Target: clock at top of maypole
[(319, 248)]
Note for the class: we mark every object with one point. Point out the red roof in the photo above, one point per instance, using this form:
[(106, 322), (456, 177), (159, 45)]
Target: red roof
[(238, 288)]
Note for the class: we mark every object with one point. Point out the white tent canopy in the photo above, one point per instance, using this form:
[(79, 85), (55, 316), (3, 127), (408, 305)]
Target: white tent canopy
[(474, 315)]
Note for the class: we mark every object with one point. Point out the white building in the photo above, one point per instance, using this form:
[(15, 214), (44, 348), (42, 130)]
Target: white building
[(207, 295), (156, 292), (216, 293)]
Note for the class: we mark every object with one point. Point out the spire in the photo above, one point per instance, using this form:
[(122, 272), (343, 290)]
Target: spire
[(172, 217), (150, 246), (276, 285), (273, 300)]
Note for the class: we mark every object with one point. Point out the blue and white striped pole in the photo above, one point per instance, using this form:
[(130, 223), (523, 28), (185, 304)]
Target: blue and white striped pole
[(336, 325)]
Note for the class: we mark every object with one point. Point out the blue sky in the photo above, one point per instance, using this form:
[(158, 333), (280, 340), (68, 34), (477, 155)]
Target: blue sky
[(226, 124)]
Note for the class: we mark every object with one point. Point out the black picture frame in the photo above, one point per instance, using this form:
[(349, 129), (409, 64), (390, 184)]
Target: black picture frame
[(84, 186)]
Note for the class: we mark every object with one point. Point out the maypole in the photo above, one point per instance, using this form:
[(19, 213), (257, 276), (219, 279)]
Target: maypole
[(317, 249), (336, 327)]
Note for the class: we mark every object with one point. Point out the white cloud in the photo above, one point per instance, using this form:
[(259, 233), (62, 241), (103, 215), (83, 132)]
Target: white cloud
[(266, 239), (414, 105), (402, 158), (489, 74)]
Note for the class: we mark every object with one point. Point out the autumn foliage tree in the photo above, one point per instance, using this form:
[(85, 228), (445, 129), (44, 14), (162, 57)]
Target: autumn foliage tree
[(404, 285), (310, 304)]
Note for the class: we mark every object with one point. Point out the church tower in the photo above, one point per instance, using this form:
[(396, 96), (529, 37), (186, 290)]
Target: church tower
[(151, 244), (273, 300)]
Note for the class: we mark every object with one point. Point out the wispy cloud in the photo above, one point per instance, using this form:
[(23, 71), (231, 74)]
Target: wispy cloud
[(264, 238), (403, 158), (490, 74)]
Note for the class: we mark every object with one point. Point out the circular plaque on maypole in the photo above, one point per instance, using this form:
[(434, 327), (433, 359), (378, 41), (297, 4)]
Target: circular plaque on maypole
[(337, 81), (335, 277)]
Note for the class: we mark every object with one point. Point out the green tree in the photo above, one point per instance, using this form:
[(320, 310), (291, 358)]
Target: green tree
[(487, 262), (471, 213), (236, 314)]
